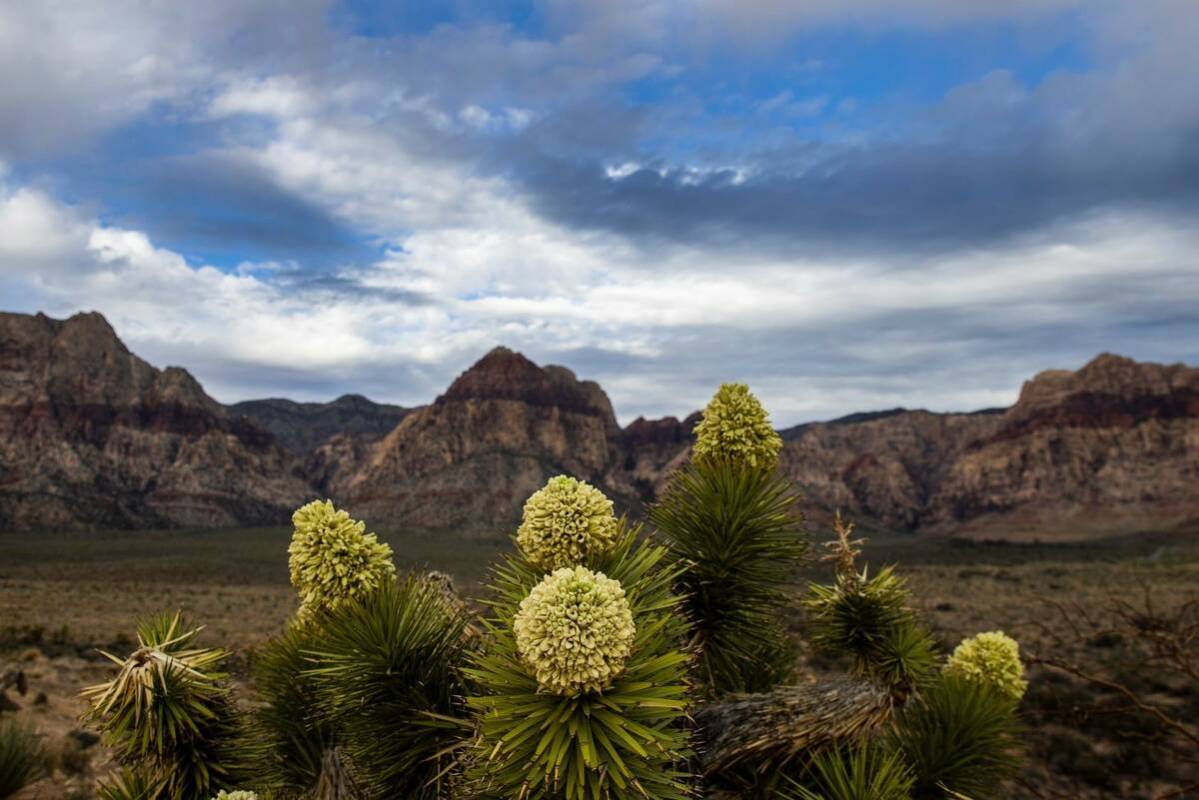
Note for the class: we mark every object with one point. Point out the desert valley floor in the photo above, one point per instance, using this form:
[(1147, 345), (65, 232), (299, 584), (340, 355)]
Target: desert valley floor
[(56, 610)]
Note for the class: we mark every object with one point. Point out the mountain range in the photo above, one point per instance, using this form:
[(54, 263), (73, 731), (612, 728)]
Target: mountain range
[(93, 437)]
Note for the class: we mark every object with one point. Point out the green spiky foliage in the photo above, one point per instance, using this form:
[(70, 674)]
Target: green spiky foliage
[(167, 714), (737, 530), (289, 738), (868, 619), (129, 784), (625, 741), (861, 771), (21, 756), (389, 678), (960, 737)]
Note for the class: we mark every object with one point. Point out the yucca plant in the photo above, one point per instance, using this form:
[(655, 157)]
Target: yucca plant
[(869, 620), (168, 716), (129, 784), (863, 770), (732, 524), (22, 759), (960, 737), (292, 746), (582, 687), (388, 677)]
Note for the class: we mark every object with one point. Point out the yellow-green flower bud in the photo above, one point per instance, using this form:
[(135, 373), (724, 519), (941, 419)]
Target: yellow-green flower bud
[(239, 794), (332, 559), (992, 658), (575, 631), (565, 522), (736, 427)]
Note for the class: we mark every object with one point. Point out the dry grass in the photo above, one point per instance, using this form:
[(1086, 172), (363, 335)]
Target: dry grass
[(62, 596)]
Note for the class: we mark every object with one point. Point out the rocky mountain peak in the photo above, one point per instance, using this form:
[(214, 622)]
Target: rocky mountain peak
[(1109, 391), (504, 374), (93, 436)]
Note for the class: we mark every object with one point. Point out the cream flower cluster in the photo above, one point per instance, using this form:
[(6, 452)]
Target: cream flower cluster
[(332, 559), (565, 522), (992, 658), (735, 426), (235, 795), (575, 631)]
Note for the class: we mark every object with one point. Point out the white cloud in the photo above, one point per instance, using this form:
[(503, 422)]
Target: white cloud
[(512, 277)]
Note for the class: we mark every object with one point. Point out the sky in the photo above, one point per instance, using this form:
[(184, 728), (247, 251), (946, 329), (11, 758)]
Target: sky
[(849, 204)]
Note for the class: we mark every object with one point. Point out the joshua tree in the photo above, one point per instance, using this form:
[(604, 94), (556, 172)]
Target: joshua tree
[(899, 723), (363, 686)]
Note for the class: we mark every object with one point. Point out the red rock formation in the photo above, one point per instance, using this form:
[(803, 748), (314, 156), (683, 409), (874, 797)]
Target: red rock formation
[(470, 459), (1112, 448), (91, 436)]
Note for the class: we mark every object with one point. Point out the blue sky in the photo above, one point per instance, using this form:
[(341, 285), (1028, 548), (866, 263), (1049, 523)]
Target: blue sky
[(851, 205)]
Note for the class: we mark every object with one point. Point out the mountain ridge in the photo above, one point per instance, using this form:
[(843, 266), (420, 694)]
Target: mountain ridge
[(92, 436)]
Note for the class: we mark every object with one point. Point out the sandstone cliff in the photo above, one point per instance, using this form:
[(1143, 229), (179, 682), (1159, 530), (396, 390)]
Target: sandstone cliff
[(91, 436), (1111, 448), (470, 459)]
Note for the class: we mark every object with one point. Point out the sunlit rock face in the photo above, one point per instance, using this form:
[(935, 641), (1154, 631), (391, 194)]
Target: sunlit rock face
[(1111, 448)]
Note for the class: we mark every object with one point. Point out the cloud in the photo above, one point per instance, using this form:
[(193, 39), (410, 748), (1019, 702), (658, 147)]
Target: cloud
[(818, 338), (75, 69), (372, 214)]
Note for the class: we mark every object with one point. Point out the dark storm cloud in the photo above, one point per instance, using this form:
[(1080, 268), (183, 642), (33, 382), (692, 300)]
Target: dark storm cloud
[(346, 286), (945, 194), (231, 209)]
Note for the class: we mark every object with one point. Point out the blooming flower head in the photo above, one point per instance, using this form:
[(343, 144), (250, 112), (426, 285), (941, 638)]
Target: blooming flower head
[(575, 630), (332, 559), (239, 794), (992, 658), (564, 522), (736, 427)]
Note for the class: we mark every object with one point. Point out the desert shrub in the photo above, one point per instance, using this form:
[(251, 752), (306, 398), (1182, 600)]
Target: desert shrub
[(21, 756)]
